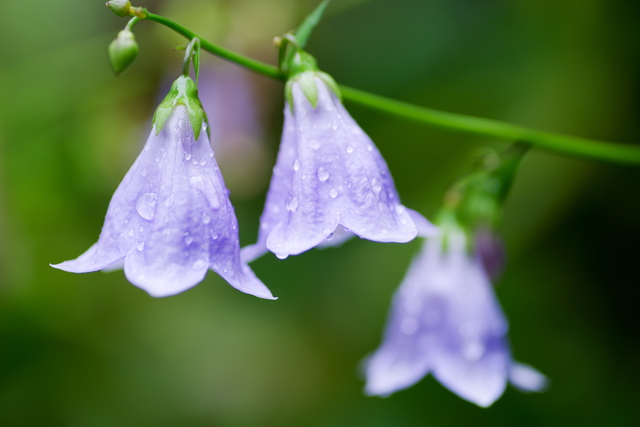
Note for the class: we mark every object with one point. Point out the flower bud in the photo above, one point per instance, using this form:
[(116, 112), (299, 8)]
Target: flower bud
[(119, 7), (123, 51)]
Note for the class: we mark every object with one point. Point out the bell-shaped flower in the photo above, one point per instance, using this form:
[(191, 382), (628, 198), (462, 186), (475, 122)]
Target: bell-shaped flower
[(446, 320), (329, 179), (170, 220)]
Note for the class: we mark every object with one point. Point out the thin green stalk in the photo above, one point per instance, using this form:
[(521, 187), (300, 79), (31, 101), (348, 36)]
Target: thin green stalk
[(580, 147)]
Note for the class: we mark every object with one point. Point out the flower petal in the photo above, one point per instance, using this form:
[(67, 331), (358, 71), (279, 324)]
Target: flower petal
[(334, 175), (526, 378), (194, 225)]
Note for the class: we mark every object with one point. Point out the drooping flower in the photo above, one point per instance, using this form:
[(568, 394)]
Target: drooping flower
[(329, 177), (170, 219), (446, 320)]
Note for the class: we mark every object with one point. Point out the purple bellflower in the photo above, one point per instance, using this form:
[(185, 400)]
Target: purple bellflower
[(446, 320), (329, 181), (170, 220)]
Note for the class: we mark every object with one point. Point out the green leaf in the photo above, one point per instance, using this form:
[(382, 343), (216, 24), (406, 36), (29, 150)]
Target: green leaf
[(304, 31)]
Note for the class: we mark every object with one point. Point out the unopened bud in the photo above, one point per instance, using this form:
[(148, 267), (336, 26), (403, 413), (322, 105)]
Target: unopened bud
[(119, 7), (123, 51)]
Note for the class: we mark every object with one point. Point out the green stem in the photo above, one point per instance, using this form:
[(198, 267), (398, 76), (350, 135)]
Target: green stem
[(580, 147)]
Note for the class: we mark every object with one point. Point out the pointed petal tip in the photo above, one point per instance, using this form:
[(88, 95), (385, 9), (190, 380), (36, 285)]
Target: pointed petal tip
[(527, 379)]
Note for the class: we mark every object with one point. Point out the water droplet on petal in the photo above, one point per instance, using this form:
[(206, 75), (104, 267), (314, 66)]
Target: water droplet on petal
[(333, 193), (187, 156), (296, 165), (144, 172), (376, 186), (322, 173), (400, 209), (141, 246), (206, 219), (292, 204), (369, 148), (349, 149), (409, 326), (141, 229), (303, 176), (131, 233), (203, 162), (188, 240), (334, 126), (473, 350), (157, 159), (210, 153), (282, 256), (314, 143), (326, 232), (146, 205)]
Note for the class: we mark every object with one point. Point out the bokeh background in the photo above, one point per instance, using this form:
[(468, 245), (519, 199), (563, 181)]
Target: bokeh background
[(93, 350)]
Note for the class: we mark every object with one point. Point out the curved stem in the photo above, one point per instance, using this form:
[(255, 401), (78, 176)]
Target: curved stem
[(575, 146)]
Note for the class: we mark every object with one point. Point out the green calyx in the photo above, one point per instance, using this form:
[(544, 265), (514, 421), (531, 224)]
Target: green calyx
[(123, 51), (304, 71), (183, 92), (478, 197)]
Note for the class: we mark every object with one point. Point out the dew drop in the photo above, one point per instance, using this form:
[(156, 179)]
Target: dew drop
[(333, 193), (292, 204), (210, 153), (187, 156), (409, 326), (131, 233), (282, 256), (126, 221), (144, 172), (349, 149), (141, 229), (314, 143), (146, 205), (303, 176), (376, 186), (296, 165), (369, 148), (400, 209), (157, 159), (203, 162), (322, 173), (141, 246), (334, 126), (473, 350), (188, 240), (206, 219)]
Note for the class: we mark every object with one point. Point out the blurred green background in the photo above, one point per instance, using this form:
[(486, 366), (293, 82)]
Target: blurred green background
[(93, 350)]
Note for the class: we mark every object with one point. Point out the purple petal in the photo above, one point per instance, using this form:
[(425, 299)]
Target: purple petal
[(329, 173), (526, 378), (179, 221), (445, 319)]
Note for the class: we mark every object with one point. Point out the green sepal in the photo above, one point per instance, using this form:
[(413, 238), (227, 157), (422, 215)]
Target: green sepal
[(307, 82), (304, 31), (331, 83), (123, 51), (288, 93), (183, 92), (119, 7)]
